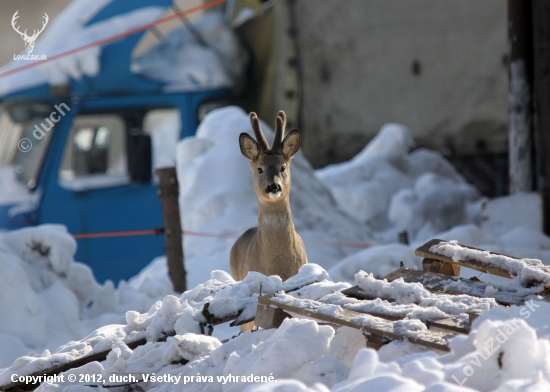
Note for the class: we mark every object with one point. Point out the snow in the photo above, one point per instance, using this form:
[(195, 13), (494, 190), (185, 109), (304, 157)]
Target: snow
[(185, 64), (392, 190), (53, 310), (407, 293), (502, 215), (177, 60), (528, 271), (48, 299), (12, 190), (69, 31)]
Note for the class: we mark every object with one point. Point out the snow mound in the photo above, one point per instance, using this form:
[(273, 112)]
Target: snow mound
[(216, 181), (392, 190), (47, 299), (183, 63)]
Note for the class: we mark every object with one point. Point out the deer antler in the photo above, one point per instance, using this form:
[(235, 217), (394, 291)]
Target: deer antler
[(260, 138), (279, 132), (16, 28), (36, 33)]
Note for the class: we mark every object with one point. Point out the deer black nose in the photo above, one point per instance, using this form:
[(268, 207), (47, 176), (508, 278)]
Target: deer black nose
[(274, 188)]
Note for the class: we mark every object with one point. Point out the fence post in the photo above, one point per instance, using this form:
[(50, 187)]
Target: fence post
[(168, 192)]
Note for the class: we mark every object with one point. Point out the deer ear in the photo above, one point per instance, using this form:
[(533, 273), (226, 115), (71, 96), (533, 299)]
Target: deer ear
[(291, 144), (249, 147)]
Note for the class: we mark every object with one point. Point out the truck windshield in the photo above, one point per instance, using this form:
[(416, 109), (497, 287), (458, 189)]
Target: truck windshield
[(22, 145)]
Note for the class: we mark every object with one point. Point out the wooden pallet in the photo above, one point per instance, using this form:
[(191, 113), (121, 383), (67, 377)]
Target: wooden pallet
[(440, 276), (378, 327)]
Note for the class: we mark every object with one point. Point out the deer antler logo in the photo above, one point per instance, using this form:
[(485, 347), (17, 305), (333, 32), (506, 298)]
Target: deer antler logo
[(29, 40)]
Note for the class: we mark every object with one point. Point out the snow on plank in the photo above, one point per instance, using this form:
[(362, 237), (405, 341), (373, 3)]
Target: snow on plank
[(389, 310), (529, 271), (415, 293), (439, 283), (412, 330), (427, 251)]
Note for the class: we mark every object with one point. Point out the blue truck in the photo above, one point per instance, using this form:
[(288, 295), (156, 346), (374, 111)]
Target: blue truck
[(83, 155)]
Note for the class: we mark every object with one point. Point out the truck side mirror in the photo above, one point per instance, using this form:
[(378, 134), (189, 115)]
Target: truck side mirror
[(139, 156)]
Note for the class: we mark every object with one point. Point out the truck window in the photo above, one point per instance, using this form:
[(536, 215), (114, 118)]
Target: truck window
[(25, 132), (95, 153)]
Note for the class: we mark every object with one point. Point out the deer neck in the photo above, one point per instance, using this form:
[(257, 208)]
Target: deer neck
[(275, 218)]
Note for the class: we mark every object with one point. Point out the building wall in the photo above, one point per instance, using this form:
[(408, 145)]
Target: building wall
[(438, 67)]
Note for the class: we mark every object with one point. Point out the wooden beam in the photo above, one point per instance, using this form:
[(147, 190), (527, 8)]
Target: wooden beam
[(451, 324), (440, 267), (424, 251), (439, 283), (168, 192), (377, 326)]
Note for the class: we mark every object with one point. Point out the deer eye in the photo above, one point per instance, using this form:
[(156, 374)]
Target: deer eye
[(260, 170), (283, 169)]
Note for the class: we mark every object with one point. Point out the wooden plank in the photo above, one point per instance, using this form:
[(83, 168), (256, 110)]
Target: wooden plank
[(268, 316), (424, 251), (439, 283), (453, 324), (378, 327), (440, 267)]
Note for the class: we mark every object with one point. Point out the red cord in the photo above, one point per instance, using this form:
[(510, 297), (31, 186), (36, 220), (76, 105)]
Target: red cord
[(160, 231)]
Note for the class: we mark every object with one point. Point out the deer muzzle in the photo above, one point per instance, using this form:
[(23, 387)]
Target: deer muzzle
[(273, 191)]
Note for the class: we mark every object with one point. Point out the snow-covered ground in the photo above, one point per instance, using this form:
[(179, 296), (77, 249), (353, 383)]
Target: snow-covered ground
[(47, 299)]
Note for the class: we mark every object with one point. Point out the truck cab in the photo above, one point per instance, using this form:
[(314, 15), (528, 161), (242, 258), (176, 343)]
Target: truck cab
[(83, 154)]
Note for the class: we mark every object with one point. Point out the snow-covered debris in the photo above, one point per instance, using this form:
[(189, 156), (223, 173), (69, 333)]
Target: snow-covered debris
[(415, 293), (528, 271), (218, 197), (69, 30), (183, 63)]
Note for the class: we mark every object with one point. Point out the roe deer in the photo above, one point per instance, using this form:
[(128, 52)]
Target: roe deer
[(273, 247)]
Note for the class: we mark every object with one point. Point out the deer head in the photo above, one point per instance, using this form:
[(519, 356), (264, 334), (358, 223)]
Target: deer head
[(270, 166), (29, 40)]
